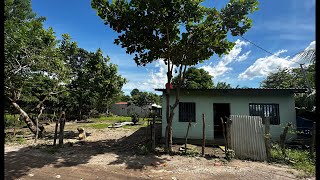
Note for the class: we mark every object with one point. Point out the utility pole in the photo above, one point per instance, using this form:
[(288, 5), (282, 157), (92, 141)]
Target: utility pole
[(306, 79)]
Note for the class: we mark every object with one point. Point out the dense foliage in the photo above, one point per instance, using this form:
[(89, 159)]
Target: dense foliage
[(293, 78), (180, 32), (45, 75), (140, 98)]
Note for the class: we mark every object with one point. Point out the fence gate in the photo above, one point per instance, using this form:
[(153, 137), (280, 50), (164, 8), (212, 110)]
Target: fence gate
[(247, 137)]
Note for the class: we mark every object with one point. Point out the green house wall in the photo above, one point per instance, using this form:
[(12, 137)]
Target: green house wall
[(239, 105)]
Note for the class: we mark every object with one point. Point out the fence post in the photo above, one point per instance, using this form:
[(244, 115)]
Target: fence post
[(185, 144), (203, 134), (61, 132), (224, 134), (313, 140), (153, 134), (267, 137), (283, 138)]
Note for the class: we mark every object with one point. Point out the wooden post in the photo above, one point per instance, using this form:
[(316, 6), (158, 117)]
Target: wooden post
[(185, 144), (267, 137), (153, 137), (228, 133), (203, 134), (313, 140), (61, 132), (224, 135), (283, 138), (56, 132)]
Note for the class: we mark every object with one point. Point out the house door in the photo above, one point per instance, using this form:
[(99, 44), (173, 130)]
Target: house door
[(220, 110)]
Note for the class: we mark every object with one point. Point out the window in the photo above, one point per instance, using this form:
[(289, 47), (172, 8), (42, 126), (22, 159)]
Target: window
[(187, 112), (266, 110)]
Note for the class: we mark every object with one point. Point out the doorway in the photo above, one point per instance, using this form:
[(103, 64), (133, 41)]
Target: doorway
[(220, 110)]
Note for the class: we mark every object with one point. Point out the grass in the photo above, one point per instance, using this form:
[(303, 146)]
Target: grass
[(298, 159), (11, 120), (98, 125), (12, 139), (112, 118), (104, 122)]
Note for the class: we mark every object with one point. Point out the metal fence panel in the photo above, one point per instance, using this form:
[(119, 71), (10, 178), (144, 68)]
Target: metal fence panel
[(247, 137)]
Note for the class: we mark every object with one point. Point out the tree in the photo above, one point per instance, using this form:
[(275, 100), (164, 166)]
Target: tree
[(223, 85), (34, 70), (134, 92), (151, 31), (293, 78), (195, 79), (141, 99), (95, 83)]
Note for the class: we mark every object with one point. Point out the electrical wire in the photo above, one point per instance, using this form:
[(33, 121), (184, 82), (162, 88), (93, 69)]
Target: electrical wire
[(267, 50)]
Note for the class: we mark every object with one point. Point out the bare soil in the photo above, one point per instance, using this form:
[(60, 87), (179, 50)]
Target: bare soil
[(116, 154)]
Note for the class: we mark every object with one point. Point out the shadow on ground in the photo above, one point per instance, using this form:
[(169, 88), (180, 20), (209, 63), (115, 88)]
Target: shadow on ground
[(127, 151)]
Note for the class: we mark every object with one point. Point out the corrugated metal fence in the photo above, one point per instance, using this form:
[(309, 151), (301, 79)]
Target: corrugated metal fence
[(247, 137)]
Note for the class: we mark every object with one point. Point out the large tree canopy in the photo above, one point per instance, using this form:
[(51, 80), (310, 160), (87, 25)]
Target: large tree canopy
[(34, 69), (44, 73), (195, 79), (293, 78), (95, 81), (180, 32)]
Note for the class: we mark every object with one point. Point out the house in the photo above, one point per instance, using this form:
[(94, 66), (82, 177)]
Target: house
[(278, 104), (126, 109)]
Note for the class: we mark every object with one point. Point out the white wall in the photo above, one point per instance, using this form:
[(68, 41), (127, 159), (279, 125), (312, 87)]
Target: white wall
[(124, 110)]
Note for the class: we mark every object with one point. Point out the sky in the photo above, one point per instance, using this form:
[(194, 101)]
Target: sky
[(283, 28)]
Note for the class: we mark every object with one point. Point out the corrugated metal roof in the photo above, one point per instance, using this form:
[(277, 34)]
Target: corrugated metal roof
[(291, 90), (121, 103)]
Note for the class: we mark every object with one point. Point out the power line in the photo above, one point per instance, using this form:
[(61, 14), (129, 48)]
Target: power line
[(301, 67), (267, 50)]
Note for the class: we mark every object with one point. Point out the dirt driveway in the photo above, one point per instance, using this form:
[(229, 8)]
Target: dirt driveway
[(113, 154)]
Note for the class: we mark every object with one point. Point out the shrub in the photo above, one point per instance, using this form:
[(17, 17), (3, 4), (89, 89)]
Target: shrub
[(135, 118), (299, 159)]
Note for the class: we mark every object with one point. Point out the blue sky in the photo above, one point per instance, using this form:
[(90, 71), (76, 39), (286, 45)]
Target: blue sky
[(283, 27)]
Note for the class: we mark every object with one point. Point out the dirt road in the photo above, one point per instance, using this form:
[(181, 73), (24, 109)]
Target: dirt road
[(112, 154)]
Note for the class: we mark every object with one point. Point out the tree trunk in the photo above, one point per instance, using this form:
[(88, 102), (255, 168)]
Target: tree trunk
[(30, 124), (56, 132), (61, 132), (168, 135)]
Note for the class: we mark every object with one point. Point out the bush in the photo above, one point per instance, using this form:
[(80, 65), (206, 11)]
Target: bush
[(230, 154), (135, 118), (94, 113), (299, 159), (10, 121)]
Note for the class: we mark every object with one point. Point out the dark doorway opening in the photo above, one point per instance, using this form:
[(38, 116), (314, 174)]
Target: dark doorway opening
[(220, 110)]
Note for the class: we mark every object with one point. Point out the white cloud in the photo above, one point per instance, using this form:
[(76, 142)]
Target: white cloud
[(263, 66), (158, 79), (234, 55), (312, 45)]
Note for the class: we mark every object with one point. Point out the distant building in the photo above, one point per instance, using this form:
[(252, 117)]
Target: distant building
[(125, 109)]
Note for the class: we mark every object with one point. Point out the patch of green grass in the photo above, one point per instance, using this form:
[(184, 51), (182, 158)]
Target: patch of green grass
[(112, 118), (11, 120), (298, 159), (12, 139), (98, 125)]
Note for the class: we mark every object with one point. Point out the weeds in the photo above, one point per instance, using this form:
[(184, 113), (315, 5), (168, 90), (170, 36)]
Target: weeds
[(299, 159), (12, 139)]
